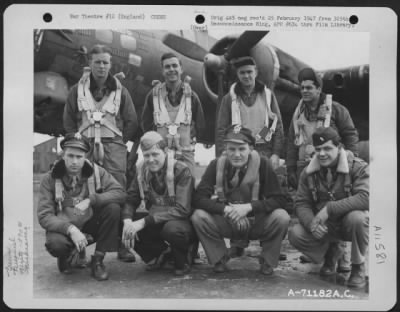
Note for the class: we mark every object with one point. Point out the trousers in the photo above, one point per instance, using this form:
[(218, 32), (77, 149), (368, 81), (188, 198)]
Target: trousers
[(353, 227), (115, 158), (103, 226), (269, 229), (154, 239)]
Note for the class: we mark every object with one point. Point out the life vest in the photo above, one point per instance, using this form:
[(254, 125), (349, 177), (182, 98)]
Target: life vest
[(267, 131), (98, 118), (341, 187), (145, 190), (249, 188), (303, 128), (66, 202), (324, 119), (173, 123)]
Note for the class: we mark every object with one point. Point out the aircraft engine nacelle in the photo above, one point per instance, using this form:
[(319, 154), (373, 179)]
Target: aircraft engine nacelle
[(50, 93), (264, 55)]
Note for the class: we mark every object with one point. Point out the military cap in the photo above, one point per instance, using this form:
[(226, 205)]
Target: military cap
[(71, 141), (310, 74), (323, 135), (242, 61), (149, 139), (238, 134)]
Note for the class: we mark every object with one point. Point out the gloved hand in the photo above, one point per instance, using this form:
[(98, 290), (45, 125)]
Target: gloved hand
[(292, 178), (320, 231), (243, 225), (130, 230), (78, 238), (235, 212), (274, 161)]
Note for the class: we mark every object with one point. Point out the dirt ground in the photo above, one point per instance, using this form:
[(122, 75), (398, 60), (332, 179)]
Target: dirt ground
[(291, 278)]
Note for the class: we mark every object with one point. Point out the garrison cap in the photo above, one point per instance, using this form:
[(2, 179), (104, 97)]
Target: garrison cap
[(149, 139), (71, 141), (242, 61), (309, 74), (323, 135), (238, 134)]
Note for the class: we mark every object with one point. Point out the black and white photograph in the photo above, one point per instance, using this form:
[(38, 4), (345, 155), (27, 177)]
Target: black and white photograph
[(229, 162)]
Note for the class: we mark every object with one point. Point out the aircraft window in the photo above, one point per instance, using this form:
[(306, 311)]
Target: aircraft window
[(84, 32), (104, 35), (128, 42)]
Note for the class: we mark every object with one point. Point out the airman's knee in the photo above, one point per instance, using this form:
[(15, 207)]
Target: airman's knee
[(281, 217), (57, 244), (357, 219), (198, 216), (294, 235)]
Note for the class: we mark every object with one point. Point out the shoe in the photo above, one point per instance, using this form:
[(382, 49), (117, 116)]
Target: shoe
[(193, 254), (357, 276), (98, 269), (305, 259), (181, 272), (220, 266), (343, 269), (162, 262), (235, 252), (64, 265), (125, 255), (331, 258), (265, 268), (78, 259)]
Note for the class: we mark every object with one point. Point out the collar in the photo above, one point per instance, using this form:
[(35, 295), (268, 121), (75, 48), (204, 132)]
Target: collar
[(304, 107), (110, 83), (242, 170), (58, 171), (259, 87), (342, 164), (179, 89)]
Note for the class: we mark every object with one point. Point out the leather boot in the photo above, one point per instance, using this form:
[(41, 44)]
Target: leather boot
[(220, 266), (265, 268), (357, 276), (332, 256), (64, 265), (98, 269), (125, 254)]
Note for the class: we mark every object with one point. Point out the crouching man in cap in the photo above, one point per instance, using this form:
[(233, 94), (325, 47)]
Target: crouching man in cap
[(79, 203), (332, 204), (166, 186), (247, 206)]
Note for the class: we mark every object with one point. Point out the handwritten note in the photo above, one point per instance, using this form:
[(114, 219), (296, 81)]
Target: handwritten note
[(16, 252)]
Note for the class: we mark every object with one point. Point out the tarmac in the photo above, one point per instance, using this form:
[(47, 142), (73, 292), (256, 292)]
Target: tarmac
[(291, 279)]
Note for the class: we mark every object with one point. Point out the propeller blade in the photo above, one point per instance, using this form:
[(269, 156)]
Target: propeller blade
[(185, 47), (244, 43)]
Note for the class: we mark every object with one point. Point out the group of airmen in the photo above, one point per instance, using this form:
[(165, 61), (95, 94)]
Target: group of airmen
[(85, 198)]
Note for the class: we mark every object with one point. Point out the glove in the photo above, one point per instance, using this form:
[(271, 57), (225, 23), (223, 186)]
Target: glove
[(130, 230), (319, 231), (292, 179), (274, 161), (78, 238), (240, 228)]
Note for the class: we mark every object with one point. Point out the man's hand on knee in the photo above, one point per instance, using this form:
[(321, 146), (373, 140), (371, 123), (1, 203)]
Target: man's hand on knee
[(77, 237)]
